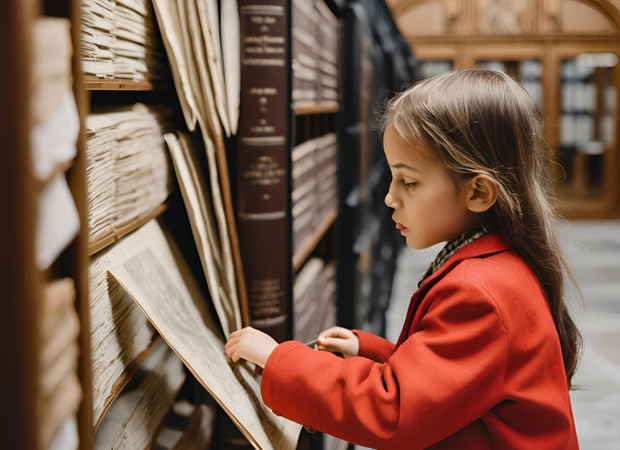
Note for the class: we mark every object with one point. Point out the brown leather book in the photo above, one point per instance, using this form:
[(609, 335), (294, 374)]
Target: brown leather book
[(262, 144)]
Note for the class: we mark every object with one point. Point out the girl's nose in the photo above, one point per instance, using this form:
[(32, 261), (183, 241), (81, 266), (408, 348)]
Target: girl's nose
[(390, 199)]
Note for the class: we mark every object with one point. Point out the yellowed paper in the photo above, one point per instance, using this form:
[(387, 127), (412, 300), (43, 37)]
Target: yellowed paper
[(161, 283)]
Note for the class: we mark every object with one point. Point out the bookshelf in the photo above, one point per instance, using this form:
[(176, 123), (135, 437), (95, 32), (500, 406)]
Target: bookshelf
[(302, 110), (93, 83), (311, 242), (583, 136), (324, 122)]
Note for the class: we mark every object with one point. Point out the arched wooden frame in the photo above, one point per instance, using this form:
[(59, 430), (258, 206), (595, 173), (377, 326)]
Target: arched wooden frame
[(608, 8)]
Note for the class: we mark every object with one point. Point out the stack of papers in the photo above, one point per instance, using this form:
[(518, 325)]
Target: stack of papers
[(120, 40), (119, 331), (208, 221), (128, 167), (207, 80), (60, 387), (140, 410), (53, 138)]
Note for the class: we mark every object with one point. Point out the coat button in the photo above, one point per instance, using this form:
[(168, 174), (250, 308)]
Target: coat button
[(309, 429), (277, 413)]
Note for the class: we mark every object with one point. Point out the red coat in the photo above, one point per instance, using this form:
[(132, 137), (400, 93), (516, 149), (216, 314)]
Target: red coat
[(478, 365)]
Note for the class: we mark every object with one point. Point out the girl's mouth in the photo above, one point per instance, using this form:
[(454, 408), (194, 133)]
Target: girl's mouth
[(400, 226)]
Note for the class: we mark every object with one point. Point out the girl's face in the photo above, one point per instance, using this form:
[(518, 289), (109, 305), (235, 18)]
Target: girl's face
[(428, 207)]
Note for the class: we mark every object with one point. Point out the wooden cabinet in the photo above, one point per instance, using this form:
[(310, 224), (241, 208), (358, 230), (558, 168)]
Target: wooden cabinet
[(585, 35)]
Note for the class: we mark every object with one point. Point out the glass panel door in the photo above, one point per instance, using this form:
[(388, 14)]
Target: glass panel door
[(587, 125)]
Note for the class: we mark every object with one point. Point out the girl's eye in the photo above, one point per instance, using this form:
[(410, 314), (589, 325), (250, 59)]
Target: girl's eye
[(410, 185)]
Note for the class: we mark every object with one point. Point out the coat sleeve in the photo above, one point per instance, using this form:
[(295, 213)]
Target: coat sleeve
[(374, 347), (439, 380)]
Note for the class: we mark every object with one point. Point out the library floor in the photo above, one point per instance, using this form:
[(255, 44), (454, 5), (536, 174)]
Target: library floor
[(593, 251)]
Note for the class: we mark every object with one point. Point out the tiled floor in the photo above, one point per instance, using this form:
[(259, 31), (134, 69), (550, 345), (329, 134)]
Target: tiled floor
[(593, 251)]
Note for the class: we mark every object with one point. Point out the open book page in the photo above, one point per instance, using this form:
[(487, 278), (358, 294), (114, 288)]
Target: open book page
[(198, 204), (161, 283)]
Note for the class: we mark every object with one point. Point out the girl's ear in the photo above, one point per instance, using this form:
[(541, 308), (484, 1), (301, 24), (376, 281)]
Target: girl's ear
[(481, 194)]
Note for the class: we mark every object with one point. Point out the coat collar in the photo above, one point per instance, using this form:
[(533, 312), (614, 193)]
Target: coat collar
[(486, 245)]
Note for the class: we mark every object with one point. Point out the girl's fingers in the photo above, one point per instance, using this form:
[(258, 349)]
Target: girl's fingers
[(332, 344), (335, 332)]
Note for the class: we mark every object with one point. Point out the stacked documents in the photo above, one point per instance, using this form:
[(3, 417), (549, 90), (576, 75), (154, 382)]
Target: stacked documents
[(120, 333), (208, 221), (128, 167), (207, 79), (140, 410), (60, 327), (120, 40)]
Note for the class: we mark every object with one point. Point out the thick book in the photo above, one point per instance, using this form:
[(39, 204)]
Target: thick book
[(262, 143)]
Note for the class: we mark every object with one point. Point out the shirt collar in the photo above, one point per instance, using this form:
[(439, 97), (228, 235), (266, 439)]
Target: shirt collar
[(471, 244)]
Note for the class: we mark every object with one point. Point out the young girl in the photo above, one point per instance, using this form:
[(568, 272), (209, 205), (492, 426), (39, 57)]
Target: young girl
[(487, 351)]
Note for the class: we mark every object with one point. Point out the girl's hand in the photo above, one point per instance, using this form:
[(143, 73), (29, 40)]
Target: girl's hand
[(250, 344), (338, 339)]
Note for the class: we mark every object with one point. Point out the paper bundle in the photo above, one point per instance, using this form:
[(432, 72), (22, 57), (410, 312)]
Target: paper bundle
[(207, 80), (120, 333), (120, 40), (140, 410), (207, 219), (53, 136), (128, 167), (60, 388)]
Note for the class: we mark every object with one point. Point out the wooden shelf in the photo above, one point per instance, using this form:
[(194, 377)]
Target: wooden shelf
[(127, 375), (324, 108), (110, 239), (93, 83), (310, 243)]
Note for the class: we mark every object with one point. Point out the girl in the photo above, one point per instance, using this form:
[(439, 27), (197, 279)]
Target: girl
[(488, 350)]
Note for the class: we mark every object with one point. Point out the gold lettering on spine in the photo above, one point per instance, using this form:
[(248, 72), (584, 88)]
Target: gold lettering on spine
[(266, 297), (264, 172)]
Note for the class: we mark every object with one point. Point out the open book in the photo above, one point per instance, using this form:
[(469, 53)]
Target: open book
[(161, 283)]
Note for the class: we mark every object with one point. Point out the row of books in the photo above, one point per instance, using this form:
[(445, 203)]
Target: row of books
[(120, 40), (315, 185), (314, 299), (315, 53)]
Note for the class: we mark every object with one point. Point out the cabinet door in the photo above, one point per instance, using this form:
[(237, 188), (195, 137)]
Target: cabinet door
[(587, 130)]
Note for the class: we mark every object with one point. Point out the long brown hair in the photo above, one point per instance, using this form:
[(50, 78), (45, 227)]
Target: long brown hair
[(482, 122)]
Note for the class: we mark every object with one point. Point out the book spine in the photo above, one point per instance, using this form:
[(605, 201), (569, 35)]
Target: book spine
[(262, 143)]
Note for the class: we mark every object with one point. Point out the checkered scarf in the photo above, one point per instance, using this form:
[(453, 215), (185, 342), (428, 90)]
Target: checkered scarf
[(453, 246)]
